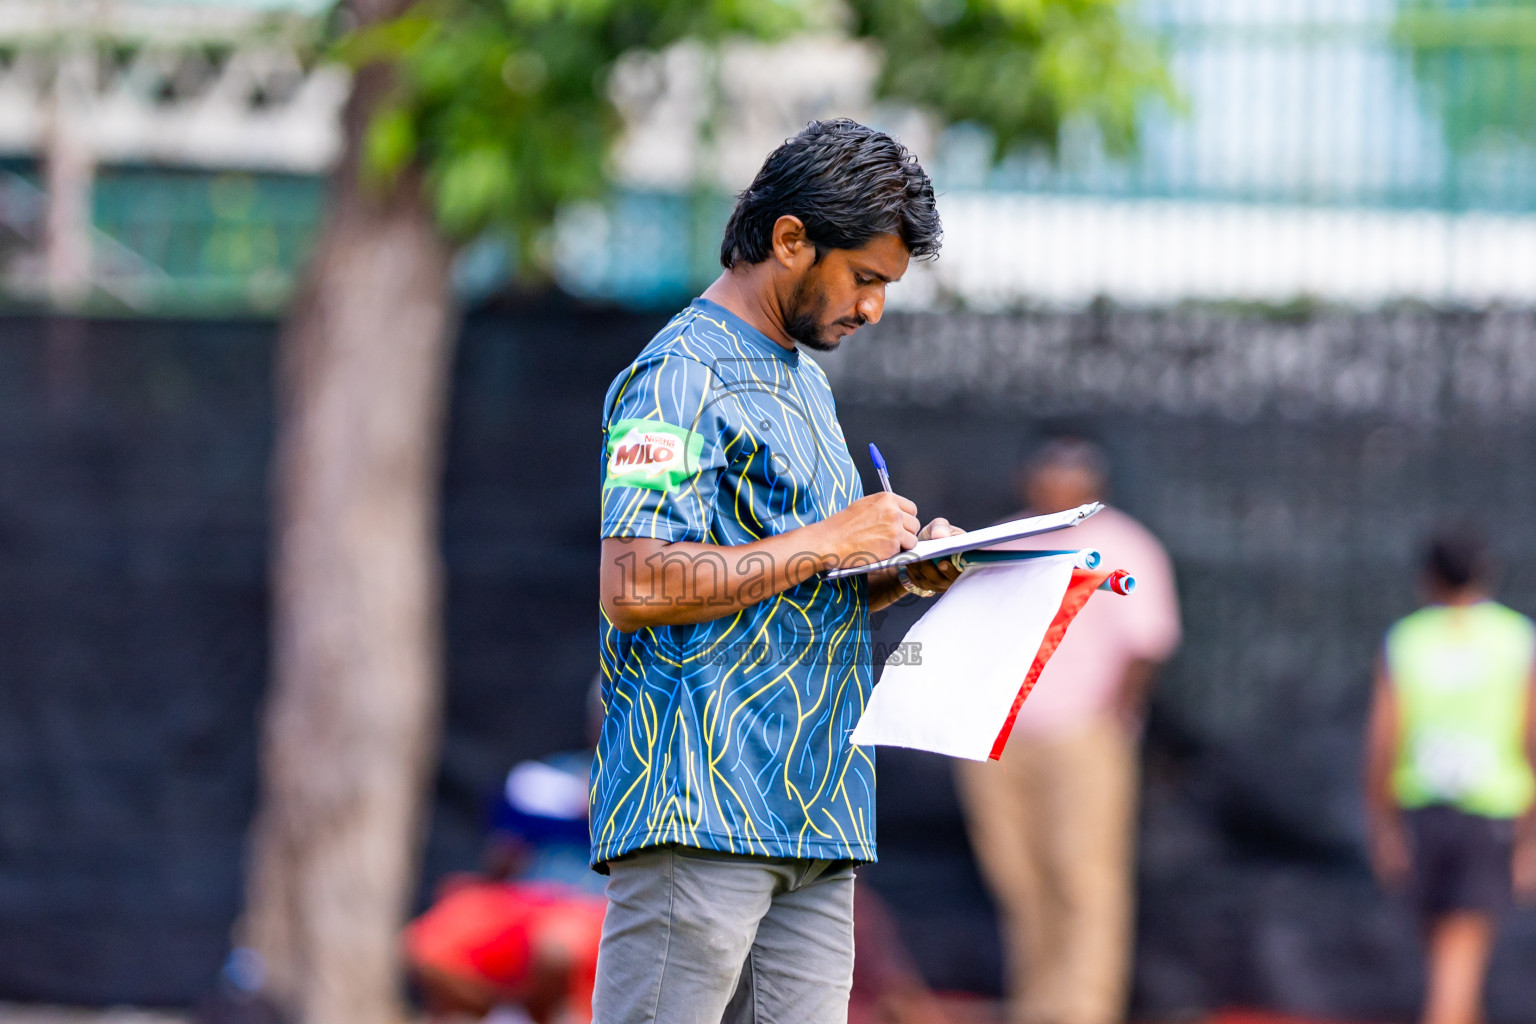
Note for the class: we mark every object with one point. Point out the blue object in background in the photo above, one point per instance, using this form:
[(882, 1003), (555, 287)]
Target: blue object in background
[(543, 805)]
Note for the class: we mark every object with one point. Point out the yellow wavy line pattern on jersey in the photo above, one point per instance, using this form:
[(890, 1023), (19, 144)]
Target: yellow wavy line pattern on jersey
[(709, 738)]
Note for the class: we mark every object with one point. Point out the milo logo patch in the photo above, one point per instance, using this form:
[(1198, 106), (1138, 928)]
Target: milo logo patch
[(650, 453)]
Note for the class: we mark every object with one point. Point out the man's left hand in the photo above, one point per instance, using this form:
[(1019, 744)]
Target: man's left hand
[(931, 575)]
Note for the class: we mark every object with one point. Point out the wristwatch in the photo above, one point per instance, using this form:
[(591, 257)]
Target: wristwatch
[(909, 586)]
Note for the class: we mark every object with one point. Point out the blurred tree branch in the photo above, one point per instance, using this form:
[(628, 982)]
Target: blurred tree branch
[(1020, 68), (504, 103), (1475, 67)]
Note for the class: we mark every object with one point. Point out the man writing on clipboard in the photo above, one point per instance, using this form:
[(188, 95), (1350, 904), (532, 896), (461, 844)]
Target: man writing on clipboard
[(728, 806)]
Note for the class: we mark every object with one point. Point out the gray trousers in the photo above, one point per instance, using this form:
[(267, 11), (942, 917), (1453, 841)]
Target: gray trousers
[(698, 937)]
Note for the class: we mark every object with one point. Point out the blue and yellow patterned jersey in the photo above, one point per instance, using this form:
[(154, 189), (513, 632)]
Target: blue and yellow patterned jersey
[(732, 735)]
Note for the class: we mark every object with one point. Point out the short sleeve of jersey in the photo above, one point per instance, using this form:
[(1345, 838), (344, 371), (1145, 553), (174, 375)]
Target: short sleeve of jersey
[(662, 451)]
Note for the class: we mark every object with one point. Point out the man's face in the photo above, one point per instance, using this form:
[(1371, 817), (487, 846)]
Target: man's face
[(842, 291)]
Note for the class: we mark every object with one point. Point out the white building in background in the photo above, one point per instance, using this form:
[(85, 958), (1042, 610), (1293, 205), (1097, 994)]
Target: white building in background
[(171, 82), (1315, 159), (179, 84), (1005, 248)]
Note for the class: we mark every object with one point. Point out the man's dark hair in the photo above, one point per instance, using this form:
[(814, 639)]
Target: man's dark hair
[(847, 183), (1456, 558)]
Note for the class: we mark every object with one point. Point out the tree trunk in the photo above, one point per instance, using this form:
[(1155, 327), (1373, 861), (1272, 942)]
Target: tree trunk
[(351, 725)]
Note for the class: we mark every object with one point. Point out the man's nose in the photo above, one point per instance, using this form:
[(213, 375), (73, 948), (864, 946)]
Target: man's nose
[(872, 305)]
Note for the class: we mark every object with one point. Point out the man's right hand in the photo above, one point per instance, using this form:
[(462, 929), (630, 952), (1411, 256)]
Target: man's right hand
[(871, 529)]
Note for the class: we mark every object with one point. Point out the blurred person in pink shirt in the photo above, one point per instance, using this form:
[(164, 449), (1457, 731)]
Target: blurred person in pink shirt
[(1053, 825)]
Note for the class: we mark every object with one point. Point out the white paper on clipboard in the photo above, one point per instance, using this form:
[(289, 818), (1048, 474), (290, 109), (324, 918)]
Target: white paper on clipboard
[(977, 643)]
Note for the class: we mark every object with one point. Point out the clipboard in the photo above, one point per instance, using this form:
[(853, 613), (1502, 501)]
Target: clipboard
[(974, 539), (983, 644)]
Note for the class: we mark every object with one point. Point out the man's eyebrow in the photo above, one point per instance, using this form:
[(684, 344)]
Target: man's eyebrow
[(863, 271)]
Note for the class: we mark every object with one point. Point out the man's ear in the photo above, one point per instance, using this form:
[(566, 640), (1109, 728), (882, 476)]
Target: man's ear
[(791, 247)]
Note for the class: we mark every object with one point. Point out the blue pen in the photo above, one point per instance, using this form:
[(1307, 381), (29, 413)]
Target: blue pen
[(879, 461)]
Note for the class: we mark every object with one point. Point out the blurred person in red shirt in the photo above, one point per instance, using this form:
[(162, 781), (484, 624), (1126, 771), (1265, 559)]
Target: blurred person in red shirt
[(521, 937), (524, 934), (1053, 826)]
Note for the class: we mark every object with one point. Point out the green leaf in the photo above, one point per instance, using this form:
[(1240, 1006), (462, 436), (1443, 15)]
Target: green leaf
[(388, 145), (385, 41), (471, 188)]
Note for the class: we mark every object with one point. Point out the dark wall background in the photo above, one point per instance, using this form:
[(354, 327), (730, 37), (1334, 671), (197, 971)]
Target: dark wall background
[(1289, 463)]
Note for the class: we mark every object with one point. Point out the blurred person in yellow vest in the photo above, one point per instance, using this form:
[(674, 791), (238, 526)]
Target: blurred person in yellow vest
[(1053, 825), (1449, 782)]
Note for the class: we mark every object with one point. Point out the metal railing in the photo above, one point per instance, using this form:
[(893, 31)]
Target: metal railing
[(1351, 150)]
